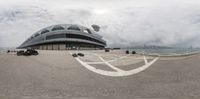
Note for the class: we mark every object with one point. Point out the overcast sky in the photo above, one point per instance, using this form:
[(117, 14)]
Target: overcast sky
[(124, 23)]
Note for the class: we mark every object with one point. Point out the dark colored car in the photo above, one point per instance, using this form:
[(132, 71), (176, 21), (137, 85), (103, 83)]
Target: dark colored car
[(74, 55), (127, 52), (19, 53), (107, 50), (8, 51), (28, 52), (32, 52), (80, 54), (133, 52)]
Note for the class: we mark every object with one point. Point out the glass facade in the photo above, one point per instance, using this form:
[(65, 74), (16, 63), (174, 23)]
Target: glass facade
[(79, 38), (55, 36), (57, 28), (44, 31), (74, 27), (83, 37)]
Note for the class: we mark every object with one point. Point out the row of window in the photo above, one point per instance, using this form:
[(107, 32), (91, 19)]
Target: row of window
[(55, 36), (73, 36), (44, 31), (58, 27)]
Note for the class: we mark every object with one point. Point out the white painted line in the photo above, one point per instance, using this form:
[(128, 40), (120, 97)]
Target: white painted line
[(113, 67), (118, 73), (108, 60), (95, 62), (108, 64), (145, 60)]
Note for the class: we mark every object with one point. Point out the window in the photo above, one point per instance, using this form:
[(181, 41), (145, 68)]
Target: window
[(44, 31), (57, 28), (74, 27), (55, 36), (83, 37), (37, 35)]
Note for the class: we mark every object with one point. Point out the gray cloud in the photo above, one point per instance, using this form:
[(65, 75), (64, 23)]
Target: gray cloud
[(168, 23)]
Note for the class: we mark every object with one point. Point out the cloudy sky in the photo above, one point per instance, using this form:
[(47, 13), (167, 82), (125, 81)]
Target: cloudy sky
[(124, 23)]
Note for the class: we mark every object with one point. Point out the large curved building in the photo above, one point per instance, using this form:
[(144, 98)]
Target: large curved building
[(64, 37)]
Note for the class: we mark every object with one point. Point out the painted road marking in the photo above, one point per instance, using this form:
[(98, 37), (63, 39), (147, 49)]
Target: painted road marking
[(145, 60), (118, 71), (109, 60), (108, 64)]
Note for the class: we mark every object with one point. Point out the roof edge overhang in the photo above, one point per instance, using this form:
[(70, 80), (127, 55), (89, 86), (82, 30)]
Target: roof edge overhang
[(62, 40)]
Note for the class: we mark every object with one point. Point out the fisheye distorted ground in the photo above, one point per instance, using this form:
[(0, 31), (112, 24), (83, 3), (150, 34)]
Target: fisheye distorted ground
[(57, 75)]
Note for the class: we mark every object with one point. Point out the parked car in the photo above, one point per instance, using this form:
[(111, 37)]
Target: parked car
[(127, 52), (32, 52), (107, 50), (28, 52), (74, 55), (21, 52), (133, 52), (80, 54)]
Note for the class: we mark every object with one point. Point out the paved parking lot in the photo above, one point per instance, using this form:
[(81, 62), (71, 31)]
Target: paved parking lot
[(57, 75)]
